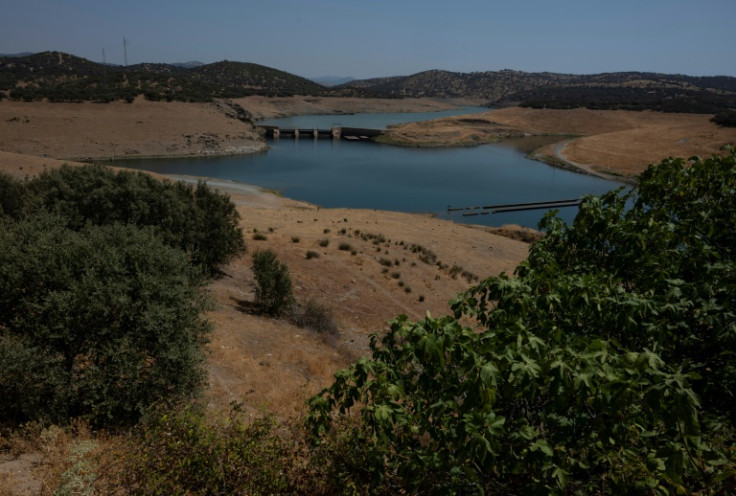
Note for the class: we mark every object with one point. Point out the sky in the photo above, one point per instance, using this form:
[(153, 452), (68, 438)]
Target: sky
[(376, 38)]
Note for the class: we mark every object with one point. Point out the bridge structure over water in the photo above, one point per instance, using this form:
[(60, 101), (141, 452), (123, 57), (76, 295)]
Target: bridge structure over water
[(336, 132)]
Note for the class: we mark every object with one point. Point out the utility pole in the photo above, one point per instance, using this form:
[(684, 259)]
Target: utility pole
[(125, 51)]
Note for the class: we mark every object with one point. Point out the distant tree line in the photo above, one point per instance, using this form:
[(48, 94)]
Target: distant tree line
[(627, 98)]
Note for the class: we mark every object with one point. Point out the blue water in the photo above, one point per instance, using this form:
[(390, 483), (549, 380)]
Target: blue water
[(367, 175)]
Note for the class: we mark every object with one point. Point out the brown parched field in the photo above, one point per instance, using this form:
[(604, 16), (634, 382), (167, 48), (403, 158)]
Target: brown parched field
[(362, 267)]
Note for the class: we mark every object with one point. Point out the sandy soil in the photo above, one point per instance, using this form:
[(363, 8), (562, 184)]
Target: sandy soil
[(621, 143)]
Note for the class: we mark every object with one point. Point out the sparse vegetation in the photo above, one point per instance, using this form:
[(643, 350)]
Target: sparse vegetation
[(312, 254), (315, 316), (345, 246), (323, 242), (259, 236), (295, 239)]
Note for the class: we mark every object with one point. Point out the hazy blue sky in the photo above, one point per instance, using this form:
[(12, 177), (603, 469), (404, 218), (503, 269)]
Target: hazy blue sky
[(368, 38)]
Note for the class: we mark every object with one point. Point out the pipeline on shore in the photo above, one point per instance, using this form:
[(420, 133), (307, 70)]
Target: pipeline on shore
[(514, 207)]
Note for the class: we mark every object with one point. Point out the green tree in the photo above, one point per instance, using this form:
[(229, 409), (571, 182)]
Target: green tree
[(605, 367), (726, 118), (12, 196), (273, 283), (200, 221), (100, 323)]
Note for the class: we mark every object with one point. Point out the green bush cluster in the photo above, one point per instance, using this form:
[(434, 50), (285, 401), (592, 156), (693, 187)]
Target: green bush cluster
[(606, 366), (197, 220), (101, 292), (273, 283), (96, 323), (726, 118)]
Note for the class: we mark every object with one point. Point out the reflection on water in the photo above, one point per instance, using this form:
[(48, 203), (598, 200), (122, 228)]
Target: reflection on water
[(366, 175)]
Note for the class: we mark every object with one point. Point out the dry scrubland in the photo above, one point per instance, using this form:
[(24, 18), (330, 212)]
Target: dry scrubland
[(268, 363), (616, 142), (362, 265)]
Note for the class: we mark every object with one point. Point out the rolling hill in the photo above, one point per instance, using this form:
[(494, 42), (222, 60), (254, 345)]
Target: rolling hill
[(623, 90), (56, 76), (62, 77)]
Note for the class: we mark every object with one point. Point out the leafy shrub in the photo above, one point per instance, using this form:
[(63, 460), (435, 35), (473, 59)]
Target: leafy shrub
[(312, 254), (273, 283), (198, 220), (726, 118), (99, 323), (605, 367), (13, 196), (324, 242), (345, 246), (260, 236), (295, 239)]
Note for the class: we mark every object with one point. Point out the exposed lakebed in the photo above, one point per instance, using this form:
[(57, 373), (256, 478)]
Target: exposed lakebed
[(336, 173)]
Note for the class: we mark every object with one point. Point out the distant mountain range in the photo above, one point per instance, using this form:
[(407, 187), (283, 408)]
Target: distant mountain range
[(332, 80), (620, 90), (58, 76)]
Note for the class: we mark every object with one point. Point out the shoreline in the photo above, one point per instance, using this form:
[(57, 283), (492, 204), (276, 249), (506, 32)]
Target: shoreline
[(614, 145)]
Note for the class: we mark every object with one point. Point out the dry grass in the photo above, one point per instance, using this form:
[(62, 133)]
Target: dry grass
[(121, 130), (52, 460), (616, 142), (273, 365)]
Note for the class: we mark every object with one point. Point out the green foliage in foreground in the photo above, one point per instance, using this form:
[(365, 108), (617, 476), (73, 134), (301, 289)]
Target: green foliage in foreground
[(101, 298), (606, 367), (200, 221), (99, 323), (12, 196)]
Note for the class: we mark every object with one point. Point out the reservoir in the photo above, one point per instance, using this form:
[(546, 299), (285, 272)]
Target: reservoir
[(352, 174)]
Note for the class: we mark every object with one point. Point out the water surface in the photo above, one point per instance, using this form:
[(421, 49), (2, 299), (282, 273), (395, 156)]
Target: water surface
[(337, 173)]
